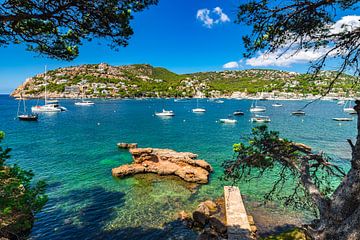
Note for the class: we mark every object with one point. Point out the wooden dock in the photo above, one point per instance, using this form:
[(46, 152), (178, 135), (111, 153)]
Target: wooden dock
[(238, 226)]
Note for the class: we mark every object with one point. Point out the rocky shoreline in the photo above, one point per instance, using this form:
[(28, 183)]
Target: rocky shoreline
[(165, 162)]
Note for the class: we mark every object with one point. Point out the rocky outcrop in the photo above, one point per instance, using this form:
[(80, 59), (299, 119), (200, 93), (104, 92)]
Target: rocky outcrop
[(166, 162)]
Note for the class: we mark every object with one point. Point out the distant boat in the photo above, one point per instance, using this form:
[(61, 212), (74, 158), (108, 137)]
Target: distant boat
[(84, 103), (228, 120), (24, 116), (277, 105), (348, 108), (255, 108), (342, 102), (219, 101), (50, 105), (298, 113), (197, 109), (343, 119), (260, 119), (165, 113), (238, 113)]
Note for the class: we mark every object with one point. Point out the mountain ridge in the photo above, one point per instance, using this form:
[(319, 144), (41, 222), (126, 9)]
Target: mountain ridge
[(145, 80)]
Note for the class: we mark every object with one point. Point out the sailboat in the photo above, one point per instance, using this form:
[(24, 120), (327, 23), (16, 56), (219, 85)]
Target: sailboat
[(260, 119), (24, 116), (255, 108), (197, 109), (50, 105), (84, 102), (348, 108)]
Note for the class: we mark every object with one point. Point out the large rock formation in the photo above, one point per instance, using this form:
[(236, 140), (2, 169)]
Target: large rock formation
[(166, 162)]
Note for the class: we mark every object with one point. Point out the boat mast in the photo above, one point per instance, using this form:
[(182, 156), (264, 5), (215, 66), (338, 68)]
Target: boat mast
[(45, 85)]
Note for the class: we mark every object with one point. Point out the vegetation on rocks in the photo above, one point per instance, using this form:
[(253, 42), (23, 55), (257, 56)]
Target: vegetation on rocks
[(20, 198), (143, 80)]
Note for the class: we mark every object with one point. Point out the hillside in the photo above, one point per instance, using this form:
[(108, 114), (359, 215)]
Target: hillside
[(143, 80)]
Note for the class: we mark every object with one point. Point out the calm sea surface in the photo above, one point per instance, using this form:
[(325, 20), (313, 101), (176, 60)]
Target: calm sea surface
[(74, 152)]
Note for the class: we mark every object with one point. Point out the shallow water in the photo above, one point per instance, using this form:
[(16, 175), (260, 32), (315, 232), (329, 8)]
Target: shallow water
[(74, 152)]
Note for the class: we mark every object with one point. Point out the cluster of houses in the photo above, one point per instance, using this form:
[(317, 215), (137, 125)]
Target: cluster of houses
[(103, 80)]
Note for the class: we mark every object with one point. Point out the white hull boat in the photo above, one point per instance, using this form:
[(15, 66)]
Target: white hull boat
[(227, 120), (257, 109), (277, 105), (84, 103), (46, 108), (261, 119), (342, 119), (348, 108), (199, 110), (165, 113)]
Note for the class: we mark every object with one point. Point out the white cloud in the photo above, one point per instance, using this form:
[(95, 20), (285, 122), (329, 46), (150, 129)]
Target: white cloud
[(209, 18), (204, 16), (281, 59), (346, 23), (231, 65)]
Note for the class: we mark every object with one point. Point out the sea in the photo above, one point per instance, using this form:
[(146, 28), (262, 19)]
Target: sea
[(74, 152)]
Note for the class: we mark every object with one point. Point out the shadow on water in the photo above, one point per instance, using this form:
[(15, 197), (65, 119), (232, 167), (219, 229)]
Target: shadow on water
[(89, 222)]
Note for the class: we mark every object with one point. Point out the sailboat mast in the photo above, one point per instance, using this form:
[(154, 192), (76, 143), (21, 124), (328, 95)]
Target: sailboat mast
[(45, 85)]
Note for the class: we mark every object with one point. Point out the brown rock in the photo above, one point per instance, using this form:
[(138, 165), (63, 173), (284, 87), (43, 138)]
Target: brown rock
[(217, 225), (166, 162), (200, 218), (213, 208)]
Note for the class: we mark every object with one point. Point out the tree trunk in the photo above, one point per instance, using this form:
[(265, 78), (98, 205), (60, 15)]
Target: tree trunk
[(342, 220)]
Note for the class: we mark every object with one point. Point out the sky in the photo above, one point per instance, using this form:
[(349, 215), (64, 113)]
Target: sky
[(183, 36)]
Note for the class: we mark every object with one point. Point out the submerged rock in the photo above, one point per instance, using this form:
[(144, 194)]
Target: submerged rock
[(166, 162)]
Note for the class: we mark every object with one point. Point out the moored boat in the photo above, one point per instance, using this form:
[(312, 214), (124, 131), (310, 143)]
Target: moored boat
[(238, 113), (260, 119), (298, 113), (228, 120), (165, 113), (343, 119), (277, 105)]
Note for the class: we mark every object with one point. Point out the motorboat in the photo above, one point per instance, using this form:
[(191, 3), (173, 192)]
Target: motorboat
[(341, 102), (84, 103), (219, 101), (228, 120), (343, 119), (298, 113), (165, 113), (260, 119), (238, 113), (277, 105)]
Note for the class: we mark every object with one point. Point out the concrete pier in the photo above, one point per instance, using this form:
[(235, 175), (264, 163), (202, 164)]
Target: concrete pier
[(236, 217)]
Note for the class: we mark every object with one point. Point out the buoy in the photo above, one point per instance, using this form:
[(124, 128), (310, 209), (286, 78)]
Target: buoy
[(98, 124), (184, 120)]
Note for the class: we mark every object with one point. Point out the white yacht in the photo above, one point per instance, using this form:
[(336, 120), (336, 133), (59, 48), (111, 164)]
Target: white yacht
[(197, 109), (165, 113), (228, 120), (50, 105), (348, 108), (277, 105), (84, 103), (341, 102), (255, 108)]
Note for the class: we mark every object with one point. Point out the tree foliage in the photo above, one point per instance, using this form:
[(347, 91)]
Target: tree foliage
[(287, 27), (20, 199), (57, 28), (298, 168)]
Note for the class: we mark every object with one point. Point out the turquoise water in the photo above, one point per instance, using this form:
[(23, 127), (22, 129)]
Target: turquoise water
[(74, 152)]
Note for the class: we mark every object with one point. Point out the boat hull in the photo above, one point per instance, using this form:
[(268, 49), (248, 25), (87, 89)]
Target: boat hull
[(29, 118)]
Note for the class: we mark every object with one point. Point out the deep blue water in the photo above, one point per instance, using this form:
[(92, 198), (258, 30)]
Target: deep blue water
[(74, 152)]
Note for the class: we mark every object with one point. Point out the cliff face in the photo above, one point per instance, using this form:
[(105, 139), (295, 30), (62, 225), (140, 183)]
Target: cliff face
[(143, 80)]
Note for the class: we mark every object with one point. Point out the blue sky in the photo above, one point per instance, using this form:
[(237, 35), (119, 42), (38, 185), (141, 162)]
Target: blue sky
[(181, 35)]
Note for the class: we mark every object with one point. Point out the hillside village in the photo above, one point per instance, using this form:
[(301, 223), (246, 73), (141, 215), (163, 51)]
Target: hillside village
[(143, 80)]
